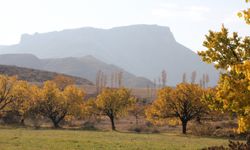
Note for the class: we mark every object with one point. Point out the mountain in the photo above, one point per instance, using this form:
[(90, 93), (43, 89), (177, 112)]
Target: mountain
[(21, 60), (143, 50), (86, 67), (1, 46), (33, 75)]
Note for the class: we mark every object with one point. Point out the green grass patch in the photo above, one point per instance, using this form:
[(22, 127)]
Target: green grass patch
[(29, 139)]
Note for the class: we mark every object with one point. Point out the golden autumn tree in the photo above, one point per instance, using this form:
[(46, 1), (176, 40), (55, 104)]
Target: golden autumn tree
[(63, 81), (227, 53), (113, 103), (209, 98), (56, 104), (231, 54), (89, 109), (245, 14), (237, 93), (24, 99), (244, 121), (6, 89), (184, 102), (74, 97)]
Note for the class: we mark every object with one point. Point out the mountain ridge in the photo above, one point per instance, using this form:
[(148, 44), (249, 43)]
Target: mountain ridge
[(84, 67), (143, 50)]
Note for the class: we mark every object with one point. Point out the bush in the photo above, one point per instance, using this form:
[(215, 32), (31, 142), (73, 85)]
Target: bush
[(143, 129), (210, 129), (11, 117), (173, 122), (148, 124), (35, 120), (216, 148), (202, 129), (154, 130), (231, 146), (230, 124), (89, 126), (135, 129)]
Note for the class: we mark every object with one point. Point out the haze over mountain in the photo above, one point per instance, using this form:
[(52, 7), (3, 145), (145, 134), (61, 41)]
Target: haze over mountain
[(143, 50), (85, 67)]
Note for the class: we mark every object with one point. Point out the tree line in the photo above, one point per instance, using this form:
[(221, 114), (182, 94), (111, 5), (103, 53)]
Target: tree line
[(60, 99)]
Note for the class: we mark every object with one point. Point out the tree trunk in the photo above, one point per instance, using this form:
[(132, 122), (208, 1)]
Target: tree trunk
[(22, 121), (198, 119), (136, 120), (112, 122), (184, 127), (55, 123), (248, 141)]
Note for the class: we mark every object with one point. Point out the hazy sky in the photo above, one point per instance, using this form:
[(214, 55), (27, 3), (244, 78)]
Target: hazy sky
[(189, 20)]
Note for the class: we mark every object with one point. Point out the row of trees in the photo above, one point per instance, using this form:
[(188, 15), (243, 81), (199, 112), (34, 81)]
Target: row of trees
[(60, 100), (55, 100), (162, 81), (103, 80)]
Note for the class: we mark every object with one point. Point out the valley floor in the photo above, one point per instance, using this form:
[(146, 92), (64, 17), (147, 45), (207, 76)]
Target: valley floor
[(49, 139)]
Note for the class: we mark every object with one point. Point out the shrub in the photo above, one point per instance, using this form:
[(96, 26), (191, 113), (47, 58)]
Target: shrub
[(143, 129), (202, 129), (232, 146), (173, 122), (89, 126), (148, 124), (11, 117), (210, 129)]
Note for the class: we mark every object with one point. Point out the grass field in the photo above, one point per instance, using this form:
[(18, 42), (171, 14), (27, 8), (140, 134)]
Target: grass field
[(29, 139)]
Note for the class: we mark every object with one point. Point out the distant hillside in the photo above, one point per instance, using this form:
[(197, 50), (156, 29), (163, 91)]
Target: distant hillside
[(33, 75), (85, 67), (21, 60), (142, 50)]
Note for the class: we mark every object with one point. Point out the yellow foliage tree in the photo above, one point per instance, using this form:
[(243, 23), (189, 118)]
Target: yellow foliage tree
[(183, 102), (62, 81), (157, 113), (56, 104), (230, 54), (74, 97), (113, 103), (89, 109), (209, 98), (22, 93), (245, 14), (6, 89)]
